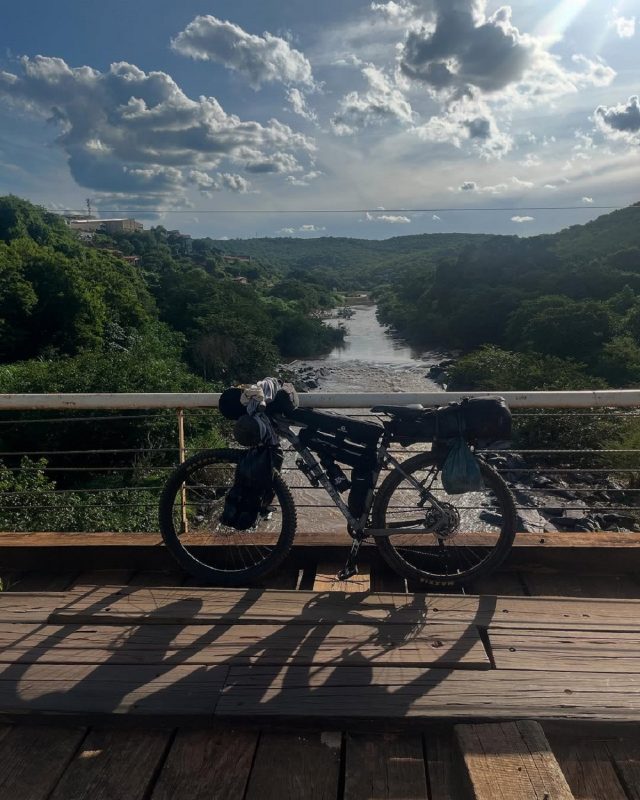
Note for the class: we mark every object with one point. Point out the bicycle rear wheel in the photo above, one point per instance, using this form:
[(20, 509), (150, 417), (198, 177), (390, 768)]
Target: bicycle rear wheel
[(474, 538), (190, 512)]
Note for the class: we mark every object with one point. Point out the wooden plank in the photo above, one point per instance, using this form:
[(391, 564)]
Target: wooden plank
[(296, 767), (602, 551), (282, 578), (208, 606), (32, 759), (501, 583), (102, 577), (113, 765), (409, 693), (206, 764), (326, 580), (384, 766), (511, 761), (43, 582), (443, 645), (625, 754), (9, 579), (110, 689), (588, 769), (443, 765), (578, 585), (157, 578), (582, 651), (384, 579), (628, 540)]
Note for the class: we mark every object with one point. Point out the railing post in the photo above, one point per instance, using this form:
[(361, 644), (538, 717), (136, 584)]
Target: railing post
[(181, 458)]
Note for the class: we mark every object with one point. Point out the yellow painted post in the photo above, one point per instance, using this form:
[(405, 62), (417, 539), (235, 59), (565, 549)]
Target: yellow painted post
[(181, 457)]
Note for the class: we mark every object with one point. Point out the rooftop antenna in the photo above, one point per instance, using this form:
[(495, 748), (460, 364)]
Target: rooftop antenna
[(89, 208)]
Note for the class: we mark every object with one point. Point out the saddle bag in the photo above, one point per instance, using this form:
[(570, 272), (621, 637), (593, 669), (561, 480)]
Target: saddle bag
[(481, 420)]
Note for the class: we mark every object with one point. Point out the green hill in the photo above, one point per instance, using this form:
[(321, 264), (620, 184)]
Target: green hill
[(351, 263)]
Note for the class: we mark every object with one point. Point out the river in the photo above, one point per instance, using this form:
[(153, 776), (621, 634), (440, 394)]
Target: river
[(372, 359)]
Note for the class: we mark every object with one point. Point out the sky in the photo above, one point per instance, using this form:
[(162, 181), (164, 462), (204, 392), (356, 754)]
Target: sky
[(420, 116)]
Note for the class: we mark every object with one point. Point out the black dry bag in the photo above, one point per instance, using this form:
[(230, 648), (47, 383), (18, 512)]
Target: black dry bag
[(252, 489)]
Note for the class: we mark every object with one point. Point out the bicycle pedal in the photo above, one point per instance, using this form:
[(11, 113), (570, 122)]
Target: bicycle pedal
[(346, 573)]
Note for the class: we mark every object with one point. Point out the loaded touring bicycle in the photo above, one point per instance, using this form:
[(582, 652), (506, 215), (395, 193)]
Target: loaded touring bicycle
[(442, 515)]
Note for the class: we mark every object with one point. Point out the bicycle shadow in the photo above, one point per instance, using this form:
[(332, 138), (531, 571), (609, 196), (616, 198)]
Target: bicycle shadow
[(203, 664)]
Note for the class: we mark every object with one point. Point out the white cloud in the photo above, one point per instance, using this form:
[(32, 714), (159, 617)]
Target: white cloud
[(382, 102), (530, 160), (472, 186), (476, 65), (216, 183), (276, 162), (235, 183), (304, 180), (298, 103), (401, 13), (391, 219), (550, 187), (587, 200), (307, 228), (131, 133), (520, 220), (436, 218), (458, 49), (625, 27), (620, 122), (260, 59), (467, 120), (522, 184)]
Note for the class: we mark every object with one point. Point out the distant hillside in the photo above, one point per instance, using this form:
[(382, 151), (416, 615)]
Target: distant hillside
[(619, 230), (366, 263), (352, 263)]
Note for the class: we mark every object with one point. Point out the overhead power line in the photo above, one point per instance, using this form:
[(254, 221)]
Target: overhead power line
[(433, 210)]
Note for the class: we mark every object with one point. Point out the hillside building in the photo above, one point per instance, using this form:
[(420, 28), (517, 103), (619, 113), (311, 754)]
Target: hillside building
[(108, 226)]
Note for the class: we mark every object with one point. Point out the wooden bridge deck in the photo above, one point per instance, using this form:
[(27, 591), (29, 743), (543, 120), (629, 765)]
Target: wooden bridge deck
[(134, 683)]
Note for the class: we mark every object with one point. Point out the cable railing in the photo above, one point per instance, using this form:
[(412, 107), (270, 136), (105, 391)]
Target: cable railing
[(98, 462)]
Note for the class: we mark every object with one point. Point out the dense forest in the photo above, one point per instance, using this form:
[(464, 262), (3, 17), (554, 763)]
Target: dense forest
[(352, 264)]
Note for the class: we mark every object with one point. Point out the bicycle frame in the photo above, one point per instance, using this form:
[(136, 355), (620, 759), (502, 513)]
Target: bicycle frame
[(357, 527)]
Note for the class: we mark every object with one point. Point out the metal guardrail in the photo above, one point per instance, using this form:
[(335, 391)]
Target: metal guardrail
[(564, 478), (609, 398)]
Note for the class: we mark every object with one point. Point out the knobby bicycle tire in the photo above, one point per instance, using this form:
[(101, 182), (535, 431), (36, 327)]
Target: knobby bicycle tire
[(388, 551), (194, 566)]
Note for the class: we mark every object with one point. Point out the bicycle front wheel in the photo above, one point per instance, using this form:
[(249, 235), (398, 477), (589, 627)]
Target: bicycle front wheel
[(191, 507), (468, 538)]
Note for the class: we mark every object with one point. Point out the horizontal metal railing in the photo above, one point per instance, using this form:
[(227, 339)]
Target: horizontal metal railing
[(609, 398), (592, 481)]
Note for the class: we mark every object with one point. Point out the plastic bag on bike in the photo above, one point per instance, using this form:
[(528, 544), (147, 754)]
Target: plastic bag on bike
[(460, 471), (252, 489)]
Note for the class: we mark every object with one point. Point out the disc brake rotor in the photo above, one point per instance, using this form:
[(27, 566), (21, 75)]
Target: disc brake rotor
[(443, 522)]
